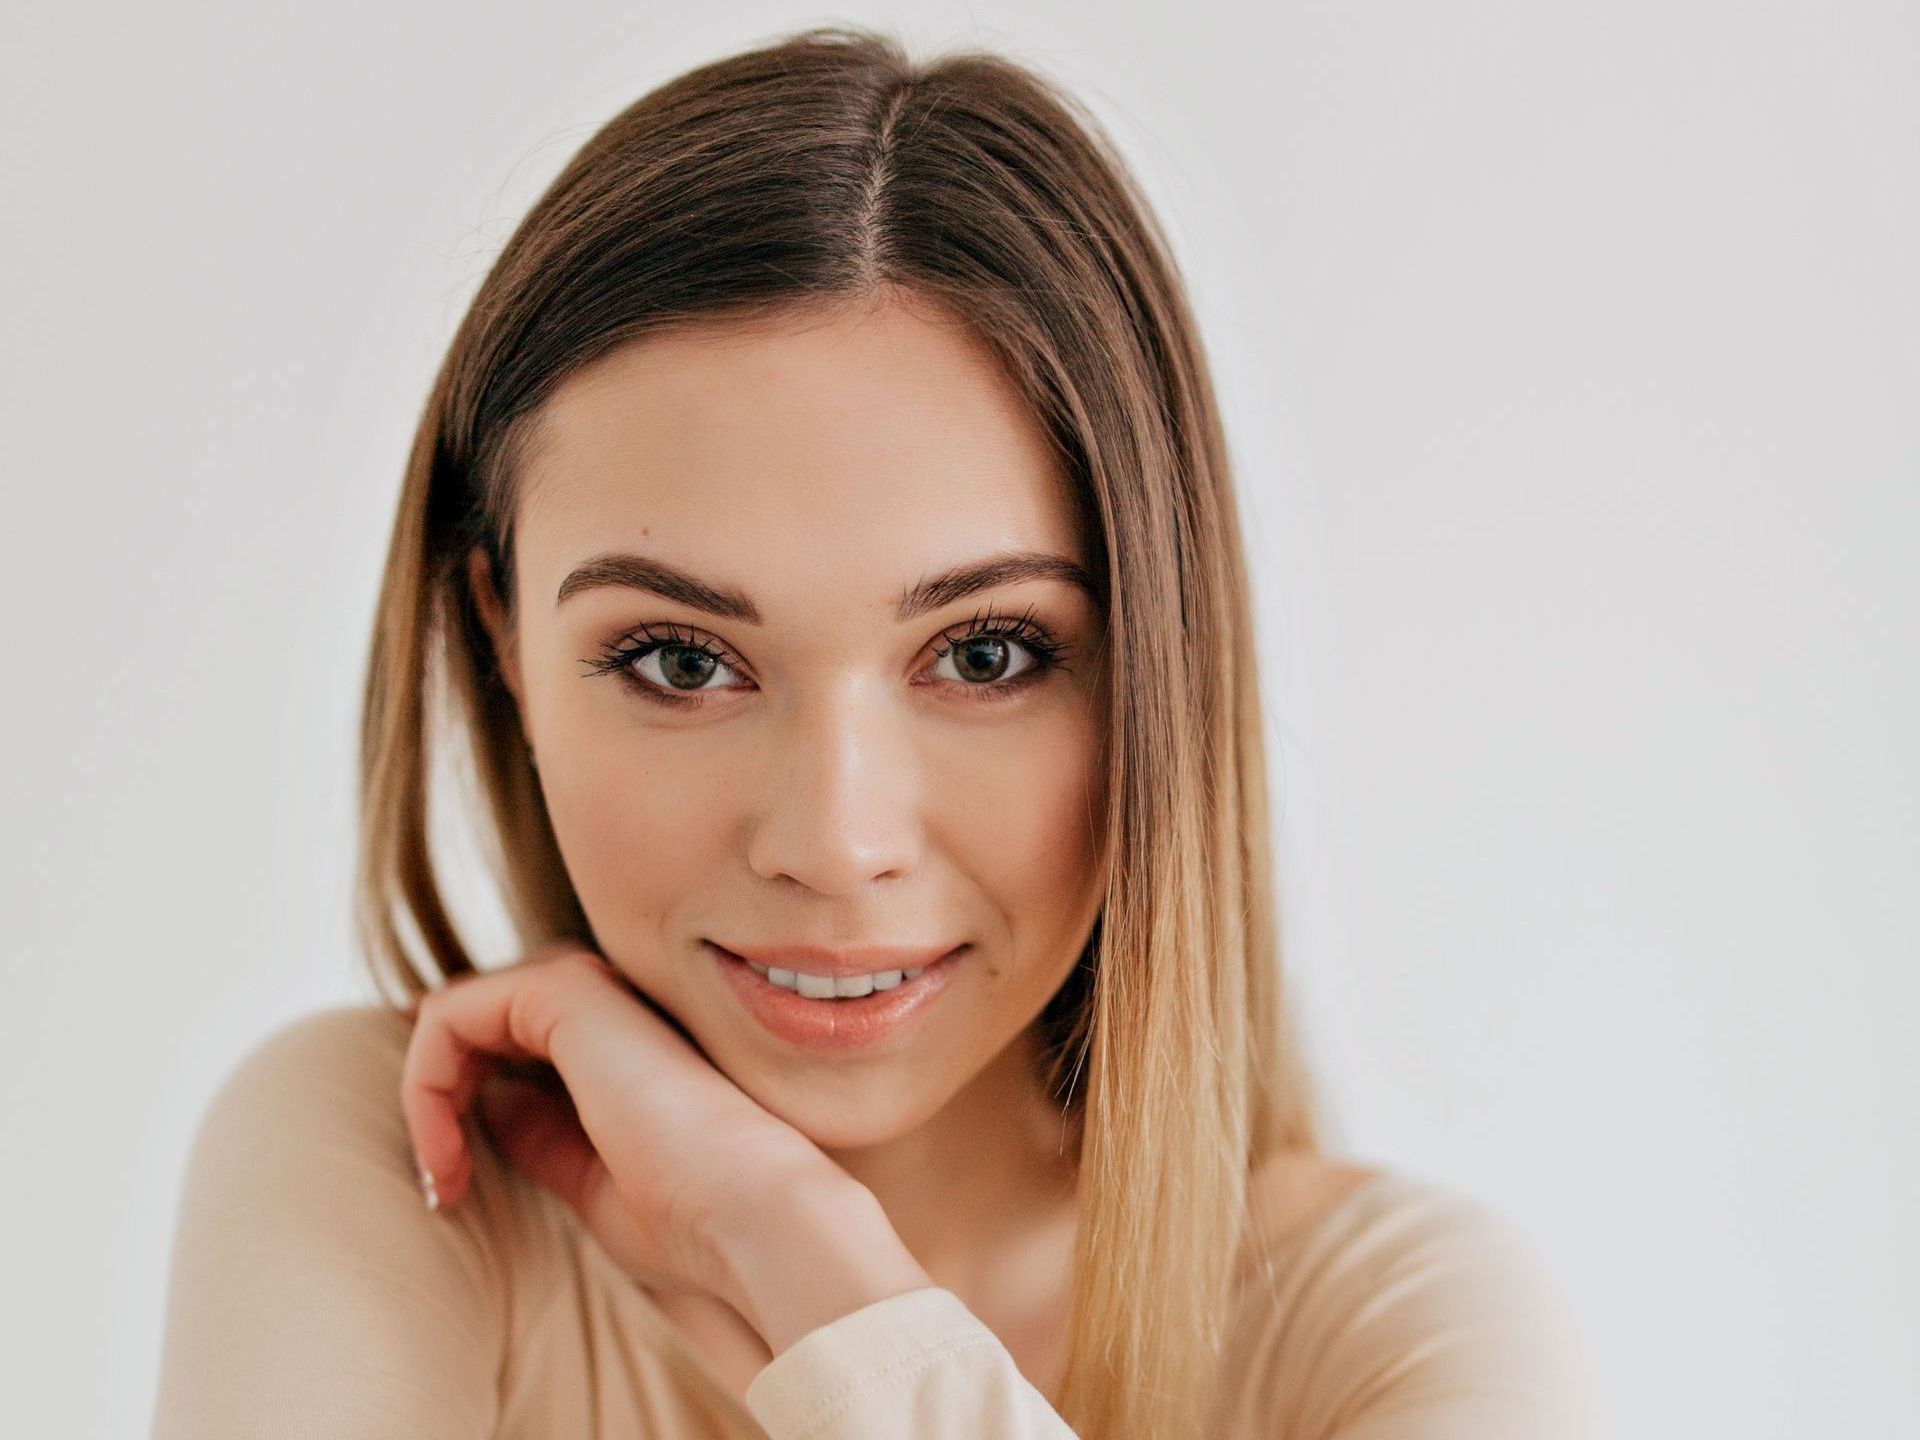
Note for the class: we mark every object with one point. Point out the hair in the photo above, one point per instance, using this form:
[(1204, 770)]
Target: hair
[(828, 168)]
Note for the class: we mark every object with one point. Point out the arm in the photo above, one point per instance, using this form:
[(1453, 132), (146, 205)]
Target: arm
[(684, 1179), (865, 1345), (311, 1292)]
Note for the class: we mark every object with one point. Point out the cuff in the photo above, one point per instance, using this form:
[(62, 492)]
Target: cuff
[(863, 1367)]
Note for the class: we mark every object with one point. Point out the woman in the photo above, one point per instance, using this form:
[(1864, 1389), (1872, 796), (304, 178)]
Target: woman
[(823, 520)]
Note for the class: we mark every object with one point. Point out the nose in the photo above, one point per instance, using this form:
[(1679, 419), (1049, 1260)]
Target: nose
[(840, 795)]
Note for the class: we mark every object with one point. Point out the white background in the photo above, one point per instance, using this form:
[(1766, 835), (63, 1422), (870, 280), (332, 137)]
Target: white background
[(1570, 355)]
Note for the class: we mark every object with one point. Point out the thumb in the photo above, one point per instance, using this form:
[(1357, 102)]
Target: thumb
[(540, 1136)]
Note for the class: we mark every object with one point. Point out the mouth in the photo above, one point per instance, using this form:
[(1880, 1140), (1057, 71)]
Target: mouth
[(795, 1008)]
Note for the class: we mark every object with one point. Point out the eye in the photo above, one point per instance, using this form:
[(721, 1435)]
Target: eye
[(684, 668), (983, 658), (981, 661), (668, 667)]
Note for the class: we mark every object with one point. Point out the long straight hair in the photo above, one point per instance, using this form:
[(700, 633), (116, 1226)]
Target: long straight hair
[(823, 169)]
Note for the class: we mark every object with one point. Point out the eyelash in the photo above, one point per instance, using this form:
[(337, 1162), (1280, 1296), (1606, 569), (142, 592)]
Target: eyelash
[(620, 658)]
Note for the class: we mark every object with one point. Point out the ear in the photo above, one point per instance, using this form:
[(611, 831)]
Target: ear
[(486, 599)]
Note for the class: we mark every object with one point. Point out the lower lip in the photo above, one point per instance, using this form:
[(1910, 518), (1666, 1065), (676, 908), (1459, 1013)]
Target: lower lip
[(835, 1024)]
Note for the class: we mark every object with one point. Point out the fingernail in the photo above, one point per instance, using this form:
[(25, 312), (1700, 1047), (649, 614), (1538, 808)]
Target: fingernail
[(427, 1187)]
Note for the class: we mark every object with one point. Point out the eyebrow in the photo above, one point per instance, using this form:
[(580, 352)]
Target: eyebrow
[(657, 577)]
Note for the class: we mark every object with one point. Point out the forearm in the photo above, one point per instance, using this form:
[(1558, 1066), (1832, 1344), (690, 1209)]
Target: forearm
[(810, 1257)]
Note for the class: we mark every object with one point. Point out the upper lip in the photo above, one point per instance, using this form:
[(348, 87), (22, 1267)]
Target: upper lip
[(819, 960)]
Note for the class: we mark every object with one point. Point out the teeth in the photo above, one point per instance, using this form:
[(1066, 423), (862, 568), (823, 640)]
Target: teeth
[(835, 987)]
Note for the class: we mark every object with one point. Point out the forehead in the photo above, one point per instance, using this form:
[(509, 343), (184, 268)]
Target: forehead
[(858, 447)]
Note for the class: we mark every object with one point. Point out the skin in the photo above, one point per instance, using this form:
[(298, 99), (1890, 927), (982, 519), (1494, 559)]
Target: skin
[(835, 782)]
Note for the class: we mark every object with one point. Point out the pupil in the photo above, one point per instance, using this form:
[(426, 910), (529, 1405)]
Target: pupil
[(994, 662)]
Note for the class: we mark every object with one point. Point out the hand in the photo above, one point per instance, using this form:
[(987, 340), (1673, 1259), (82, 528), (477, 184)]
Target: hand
[(651, 1146)]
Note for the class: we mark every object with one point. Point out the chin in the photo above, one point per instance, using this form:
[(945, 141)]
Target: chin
[(842, 1121)]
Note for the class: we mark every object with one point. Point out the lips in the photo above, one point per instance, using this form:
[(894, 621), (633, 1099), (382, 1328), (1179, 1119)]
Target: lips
[(867, 1022)]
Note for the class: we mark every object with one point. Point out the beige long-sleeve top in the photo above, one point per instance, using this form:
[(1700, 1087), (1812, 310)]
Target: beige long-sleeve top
[(313, 1294)]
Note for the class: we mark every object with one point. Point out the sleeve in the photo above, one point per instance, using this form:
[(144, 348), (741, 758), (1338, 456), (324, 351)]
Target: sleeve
[(1430, 1319), (918, 1363), (311, 1292)]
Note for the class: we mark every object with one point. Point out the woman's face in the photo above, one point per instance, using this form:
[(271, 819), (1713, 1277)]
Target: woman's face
[(728, 664)]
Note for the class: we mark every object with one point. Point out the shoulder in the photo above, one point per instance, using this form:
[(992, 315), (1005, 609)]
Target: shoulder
[(1290, 1189), (310, 1115), (306, 1128), (308, 1277), (320, 1058), (318, 1097), (321, 1088), (1377, 1292)]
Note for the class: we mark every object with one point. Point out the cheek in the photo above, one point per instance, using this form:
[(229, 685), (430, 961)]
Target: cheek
[(635, 832), (1029, 823)]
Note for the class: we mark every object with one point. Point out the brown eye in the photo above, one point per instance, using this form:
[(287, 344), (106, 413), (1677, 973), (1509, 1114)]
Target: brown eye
[(671, 665), (684, 667), (983, 659)]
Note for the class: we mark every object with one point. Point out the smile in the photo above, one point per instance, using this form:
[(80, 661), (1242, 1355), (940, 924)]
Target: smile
[(843, 1012), (834, 987)]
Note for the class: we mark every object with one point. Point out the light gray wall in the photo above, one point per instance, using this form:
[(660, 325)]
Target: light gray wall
[(1570, 355)]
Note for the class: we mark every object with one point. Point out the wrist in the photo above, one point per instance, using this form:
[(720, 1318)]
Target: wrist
[(814, 1253)]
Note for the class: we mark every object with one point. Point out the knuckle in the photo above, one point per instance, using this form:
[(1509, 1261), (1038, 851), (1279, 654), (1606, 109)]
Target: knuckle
[(581, 967)]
